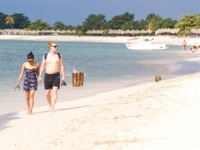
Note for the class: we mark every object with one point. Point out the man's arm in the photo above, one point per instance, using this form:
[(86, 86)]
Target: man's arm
[(41, 69), (62, 68)]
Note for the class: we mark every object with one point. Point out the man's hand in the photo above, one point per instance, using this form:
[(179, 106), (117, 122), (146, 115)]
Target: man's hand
[(63, 79), (39, 80)]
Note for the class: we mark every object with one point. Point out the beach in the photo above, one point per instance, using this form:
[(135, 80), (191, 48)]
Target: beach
[(150, 116), (157, 115), (103, 39)]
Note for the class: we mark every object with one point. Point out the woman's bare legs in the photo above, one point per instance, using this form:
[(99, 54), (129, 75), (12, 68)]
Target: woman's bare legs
[(27, 93), (31, 101)]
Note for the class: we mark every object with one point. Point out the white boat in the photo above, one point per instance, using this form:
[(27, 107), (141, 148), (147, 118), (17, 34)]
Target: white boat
[(143, 44)]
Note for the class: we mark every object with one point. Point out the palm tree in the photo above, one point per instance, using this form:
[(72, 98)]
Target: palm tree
[(10, 20)]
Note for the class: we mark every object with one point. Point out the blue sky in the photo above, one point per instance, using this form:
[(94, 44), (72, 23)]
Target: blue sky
[(74, 12)]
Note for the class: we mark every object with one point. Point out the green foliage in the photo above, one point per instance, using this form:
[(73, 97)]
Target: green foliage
[(127, 25), (188, 22), (121, 21), (3, 24), (156, 22), (104, 26), (150, 17), (168, 23), (98, 22), (39, 25), (93, 22), (71, 27), (21, 21), (10, 20), (79, 30), (140, 25), (59, 26)]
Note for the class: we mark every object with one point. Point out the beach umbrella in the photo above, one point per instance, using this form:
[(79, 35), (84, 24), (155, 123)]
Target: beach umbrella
[(142, 31), (137, 32), (149, 31), (119, 31), (111, 31), (127, 32), (88, 32), (67, 31), (99, 32), (157, 32), (73, 31)]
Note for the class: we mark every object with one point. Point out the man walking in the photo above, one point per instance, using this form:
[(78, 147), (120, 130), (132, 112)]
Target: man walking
[(53, 62)]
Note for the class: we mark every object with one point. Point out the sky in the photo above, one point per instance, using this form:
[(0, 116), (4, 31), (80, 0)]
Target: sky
[(74, 12)]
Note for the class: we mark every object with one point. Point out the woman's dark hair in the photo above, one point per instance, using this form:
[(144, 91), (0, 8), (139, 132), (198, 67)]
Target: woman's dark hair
[(30, 56)]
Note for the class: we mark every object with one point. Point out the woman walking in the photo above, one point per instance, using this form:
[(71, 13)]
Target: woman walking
[(31, 70)]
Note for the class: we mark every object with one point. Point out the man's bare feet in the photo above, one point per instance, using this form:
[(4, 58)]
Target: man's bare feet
[(51, 109), (29, 112)]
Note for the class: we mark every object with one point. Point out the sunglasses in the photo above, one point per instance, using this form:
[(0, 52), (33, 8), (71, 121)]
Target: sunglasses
[(55, 46), (30, 60)]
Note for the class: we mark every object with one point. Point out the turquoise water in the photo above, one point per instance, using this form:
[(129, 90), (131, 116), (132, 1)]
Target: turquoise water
[(106, 67)]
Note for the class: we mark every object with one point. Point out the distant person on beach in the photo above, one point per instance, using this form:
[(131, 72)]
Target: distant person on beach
[(53, 63), (196, 47), (192, 50), (31, 70), (184, 45)]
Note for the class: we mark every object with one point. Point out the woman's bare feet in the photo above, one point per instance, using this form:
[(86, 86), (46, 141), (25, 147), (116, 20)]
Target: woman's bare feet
[(28, 112)]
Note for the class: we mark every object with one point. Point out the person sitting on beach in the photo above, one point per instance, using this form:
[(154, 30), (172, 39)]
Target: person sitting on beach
[(31, 70), (196, 47), (53, 63), (192, 50)]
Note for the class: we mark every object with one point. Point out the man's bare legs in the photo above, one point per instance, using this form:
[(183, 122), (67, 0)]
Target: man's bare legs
[(30, 101), (54, 96), (48, 97)]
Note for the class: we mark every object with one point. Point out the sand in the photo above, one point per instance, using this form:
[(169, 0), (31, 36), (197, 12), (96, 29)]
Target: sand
[(150, 116), (153, 116), (108, 39)]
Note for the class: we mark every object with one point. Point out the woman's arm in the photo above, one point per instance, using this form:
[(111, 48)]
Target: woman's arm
[(38, 69), (22, 73), (41, 70)]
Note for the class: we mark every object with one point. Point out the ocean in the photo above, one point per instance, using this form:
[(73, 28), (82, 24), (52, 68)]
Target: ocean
[(106, 67)]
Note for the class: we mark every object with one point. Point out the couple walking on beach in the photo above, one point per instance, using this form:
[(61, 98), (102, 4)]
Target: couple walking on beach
[(53, 63)]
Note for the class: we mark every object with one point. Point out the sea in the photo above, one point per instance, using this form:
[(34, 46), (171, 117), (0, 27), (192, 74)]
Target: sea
[(106, 67)]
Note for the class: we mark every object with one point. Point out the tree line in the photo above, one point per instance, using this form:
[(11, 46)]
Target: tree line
[(124, 22)]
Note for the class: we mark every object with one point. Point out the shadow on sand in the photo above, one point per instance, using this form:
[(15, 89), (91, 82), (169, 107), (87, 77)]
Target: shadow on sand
[(63, 109), (4, 119)]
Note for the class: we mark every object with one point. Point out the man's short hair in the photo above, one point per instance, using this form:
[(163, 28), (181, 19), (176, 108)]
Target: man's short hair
[(50, 43)]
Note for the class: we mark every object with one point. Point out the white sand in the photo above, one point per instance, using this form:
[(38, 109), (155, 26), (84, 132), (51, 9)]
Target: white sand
[(153, 116), (109, 39)]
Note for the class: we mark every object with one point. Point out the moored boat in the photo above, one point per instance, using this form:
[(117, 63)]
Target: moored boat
[(143, 44)]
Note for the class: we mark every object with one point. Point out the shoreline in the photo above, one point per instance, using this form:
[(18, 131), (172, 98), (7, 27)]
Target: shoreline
[(147, 116), (101, 39), (18, 103)]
